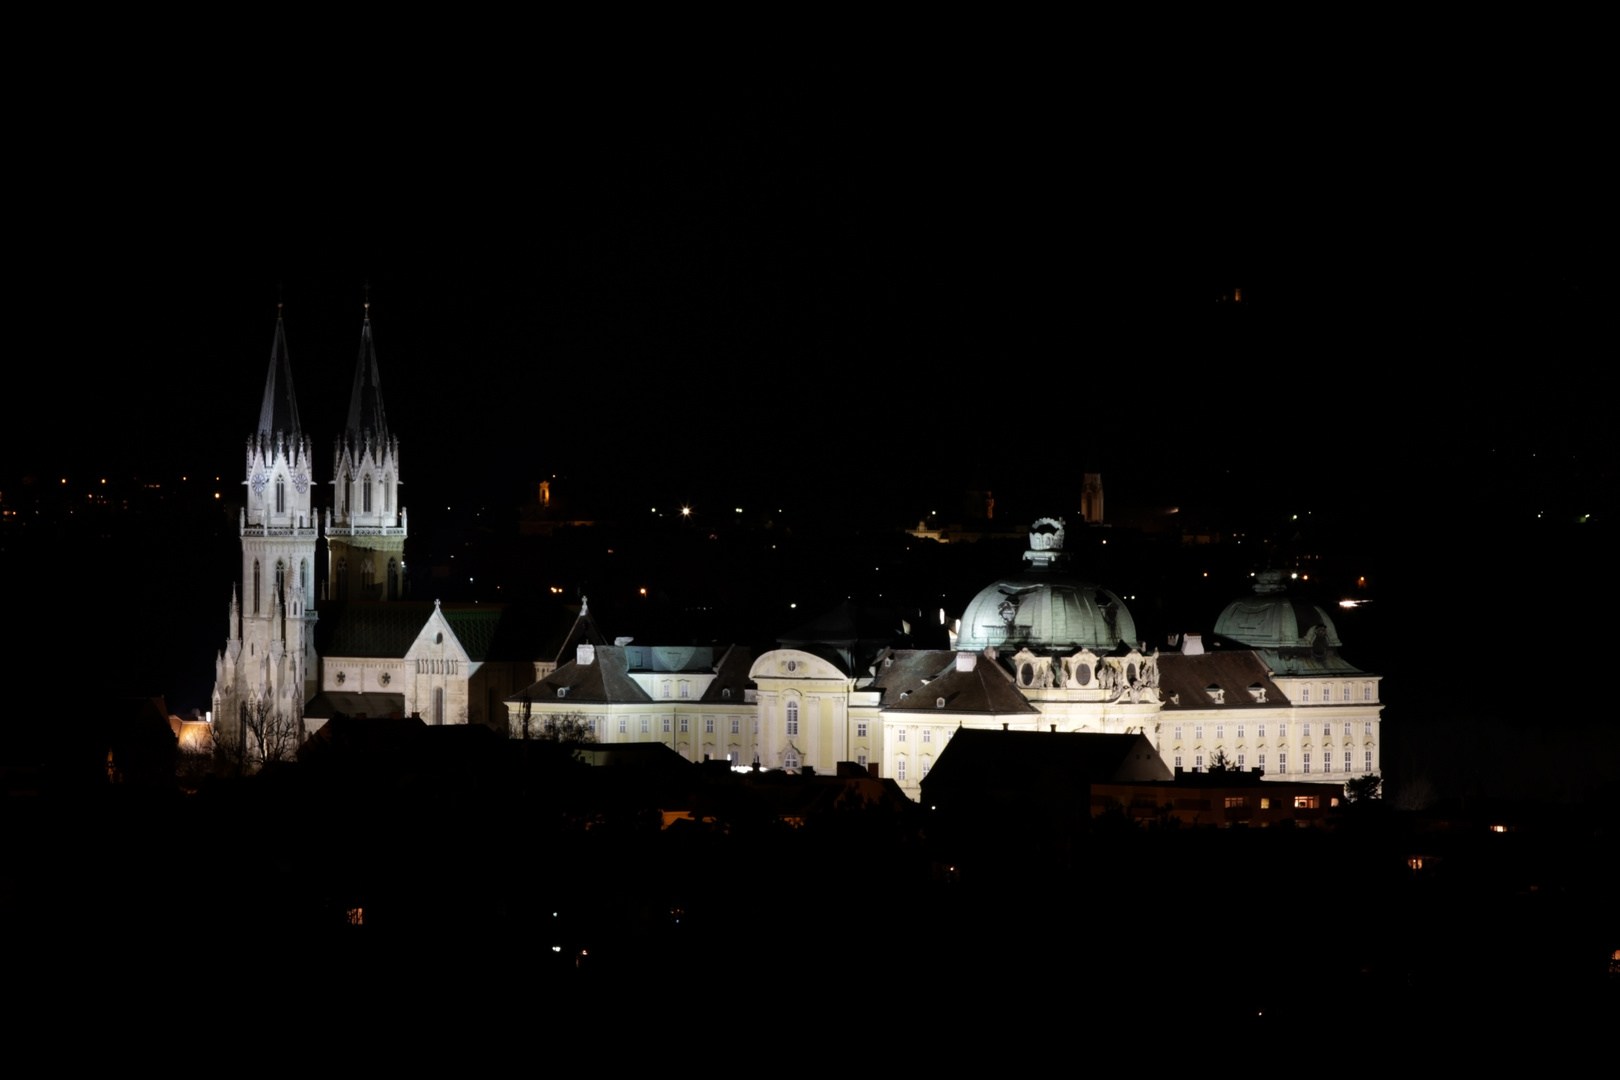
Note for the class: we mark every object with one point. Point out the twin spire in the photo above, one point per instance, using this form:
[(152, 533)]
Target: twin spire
[(279, 411)]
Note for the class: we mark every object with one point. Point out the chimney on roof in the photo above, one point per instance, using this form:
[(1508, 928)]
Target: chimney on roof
[(966, 661), (1193, 646), (586, 655)]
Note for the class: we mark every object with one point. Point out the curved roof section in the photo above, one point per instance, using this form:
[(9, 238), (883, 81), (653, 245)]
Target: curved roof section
[(1273, 620), (1044, 609)]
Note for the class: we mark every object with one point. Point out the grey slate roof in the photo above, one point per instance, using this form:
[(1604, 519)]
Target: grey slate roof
[(604, 681), (1188, 677), (987, 689), (330, 703), (386, 629), (279, 411), (731, 674), (1015, 760)]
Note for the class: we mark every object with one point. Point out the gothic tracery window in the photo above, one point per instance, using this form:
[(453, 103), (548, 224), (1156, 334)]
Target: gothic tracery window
[(365, 494)]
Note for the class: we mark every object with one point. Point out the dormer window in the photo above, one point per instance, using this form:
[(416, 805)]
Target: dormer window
[(939, 703), (562, 691), (726, 693)]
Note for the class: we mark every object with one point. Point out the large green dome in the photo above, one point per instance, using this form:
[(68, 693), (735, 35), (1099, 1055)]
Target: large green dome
[(1271, 619), (1045, 608)]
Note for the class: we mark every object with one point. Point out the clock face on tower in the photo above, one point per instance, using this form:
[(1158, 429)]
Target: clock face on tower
[(301, 481), (259, 480)]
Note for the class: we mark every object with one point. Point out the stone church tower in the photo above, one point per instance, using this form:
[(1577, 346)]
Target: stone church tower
[(266, 671), (365, 529)]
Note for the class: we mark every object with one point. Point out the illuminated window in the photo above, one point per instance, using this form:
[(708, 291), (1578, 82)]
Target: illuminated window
[(736, 726), (860, 730), (684, 728), (1306, 802), (1236, 802), (708, 725), (792, 717), (1327, 691), (1265, 802), (928, 734)]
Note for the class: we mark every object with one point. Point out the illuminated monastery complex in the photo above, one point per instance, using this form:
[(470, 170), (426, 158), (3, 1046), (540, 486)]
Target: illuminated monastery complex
[(1041, 649)]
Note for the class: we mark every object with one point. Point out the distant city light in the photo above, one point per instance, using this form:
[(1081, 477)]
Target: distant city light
[(686, 511)]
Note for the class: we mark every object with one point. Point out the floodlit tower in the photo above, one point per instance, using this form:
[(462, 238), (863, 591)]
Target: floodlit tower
[(266, 666), (365, 529)]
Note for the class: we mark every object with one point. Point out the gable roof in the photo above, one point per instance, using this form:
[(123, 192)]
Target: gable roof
[(985, 689), (604, 681), (388, 629), (731, 673), (1013, 760)]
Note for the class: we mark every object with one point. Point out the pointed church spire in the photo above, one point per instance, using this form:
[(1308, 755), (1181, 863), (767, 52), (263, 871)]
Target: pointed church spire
[(365, 402), (279, 413)]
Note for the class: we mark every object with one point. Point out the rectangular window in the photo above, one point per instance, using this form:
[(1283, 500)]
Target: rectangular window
[(860, 759), (1261, 762), (1260, 731), (1240, 731), (1265, 802), (686, 689), (1366, 691), (900, 770), (592, 723), (708, 725), (1367, 727), (860, 730), (1178, 733), (646, 724), (1305, 730), (1236, 802), (1327, 761), (928, 735), (1282, 763), (1369, 755), (1346, 696), (925, 766), (1178, 761), (734, 758), (736, 726), (1198, 732), (899, 734), (666, 725), (1305, 694), (1327, 691), (683, 725), (1198, 763), (1347, 761), (756, 725), (624, 725), (1220, 731), (1347, 728), (1240, 761), (1305, 802), (1307, 760), (666, 688)]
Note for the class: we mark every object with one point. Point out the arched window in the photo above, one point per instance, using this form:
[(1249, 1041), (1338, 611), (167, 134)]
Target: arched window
[(393, 579), (365, 494), (792, 717), (303, 579), (255, 586), (388, 494), (438, 704), (281, 494)]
